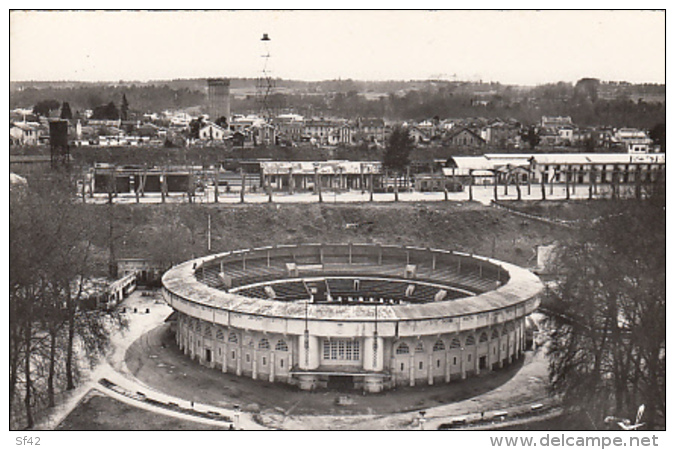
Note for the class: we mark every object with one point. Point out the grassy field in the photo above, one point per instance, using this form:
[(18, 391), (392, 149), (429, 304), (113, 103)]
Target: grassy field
[(179, 232), (98, 412)]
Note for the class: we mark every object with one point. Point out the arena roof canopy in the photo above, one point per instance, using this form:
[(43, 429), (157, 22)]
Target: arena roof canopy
[(522, 285)]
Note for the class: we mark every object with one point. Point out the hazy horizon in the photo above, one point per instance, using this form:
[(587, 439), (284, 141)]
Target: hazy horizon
[(356, 80), (520, 48)]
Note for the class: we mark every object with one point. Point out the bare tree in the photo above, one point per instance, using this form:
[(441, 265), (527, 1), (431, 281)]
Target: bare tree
[(607, 349), (50, 261)]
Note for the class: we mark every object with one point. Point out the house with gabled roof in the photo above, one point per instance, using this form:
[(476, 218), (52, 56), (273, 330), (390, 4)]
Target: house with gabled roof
[(212, 132), (264, 134), (25, 133), (500, 134), (419, 135), (464, 137), (371, 130)]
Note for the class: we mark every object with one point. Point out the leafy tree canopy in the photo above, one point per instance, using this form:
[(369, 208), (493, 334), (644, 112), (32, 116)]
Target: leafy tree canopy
[(124, 108), (106, 112), (531, 136), (397, 152), (658, 134), (66, 113), (43, 107)]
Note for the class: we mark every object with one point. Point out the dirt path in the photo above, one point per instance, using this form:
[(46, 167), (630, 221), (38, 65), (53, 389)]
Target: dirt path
[(145, 358), (156, 361)]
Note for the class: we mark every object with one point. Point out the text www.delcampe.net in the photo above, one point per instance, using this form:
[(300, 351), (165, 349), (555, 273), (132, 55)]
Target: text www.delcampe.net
[(563, 440)]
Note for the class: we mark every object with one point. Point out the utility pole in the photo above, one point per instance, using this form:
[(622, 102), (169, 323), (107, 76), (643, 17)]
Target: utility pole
[(216, 181), (243, 185), (208, 234), (496, 184)]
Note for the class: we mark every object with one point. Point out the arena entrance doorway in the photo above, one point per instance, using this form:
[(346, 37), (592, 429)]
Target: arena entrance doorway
[(341, 382)]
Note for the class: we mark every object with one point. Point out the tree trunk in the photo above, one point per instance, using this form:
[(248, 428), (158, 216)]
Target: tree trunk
[(543, 186), (591, 183), (518, 188), (529, 185), (111, 242), (110, 189), (396, 187), (14, 356), (70, 382), (470, 185), (654, 398), (216, 179), (496, 185), (567, 184), (53, 332), (617, 372), (243, 187), (29, 380), (290, 182)]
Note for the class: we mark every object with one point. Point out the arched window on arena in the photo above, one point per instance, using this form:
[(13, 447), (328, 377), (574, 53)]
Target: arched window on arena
[(455, 343), (281, 346), (264, 344), (483, 337), (232, 338), (402, 349), (420, 347), (198, 326), (439, 346), (471, 340), (220, 335), (207, 331), (505, 331), (495, 334)]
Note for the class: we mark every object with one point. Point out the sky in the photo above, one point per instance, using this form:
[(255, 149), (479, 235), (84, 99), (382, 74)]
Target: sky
[(510, 47)]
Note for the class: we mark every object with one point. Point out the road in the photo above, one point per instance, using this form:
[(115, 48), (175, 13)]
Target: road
[(514, 391)]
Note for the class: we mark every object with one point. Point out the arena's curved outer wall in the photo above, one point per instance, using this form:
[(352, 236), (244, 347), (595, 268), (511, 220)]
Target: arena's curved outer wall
[(373, 347)]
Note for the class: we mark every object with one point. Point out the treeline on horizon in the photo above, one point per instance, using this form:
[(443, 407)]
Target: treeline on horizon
[(589, 102)]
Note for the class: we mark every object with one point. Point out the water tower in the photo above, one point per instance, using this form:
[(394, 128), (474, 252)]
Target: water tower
[(218, 98)]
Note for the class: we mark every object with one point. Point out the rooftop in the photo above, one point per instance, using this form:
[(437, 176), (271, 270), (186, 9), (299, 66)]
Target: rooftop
[(522, 286)]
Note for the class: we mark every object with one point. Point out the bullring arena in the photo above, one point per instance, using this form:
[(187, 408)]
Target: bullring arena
[(353, 316)]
